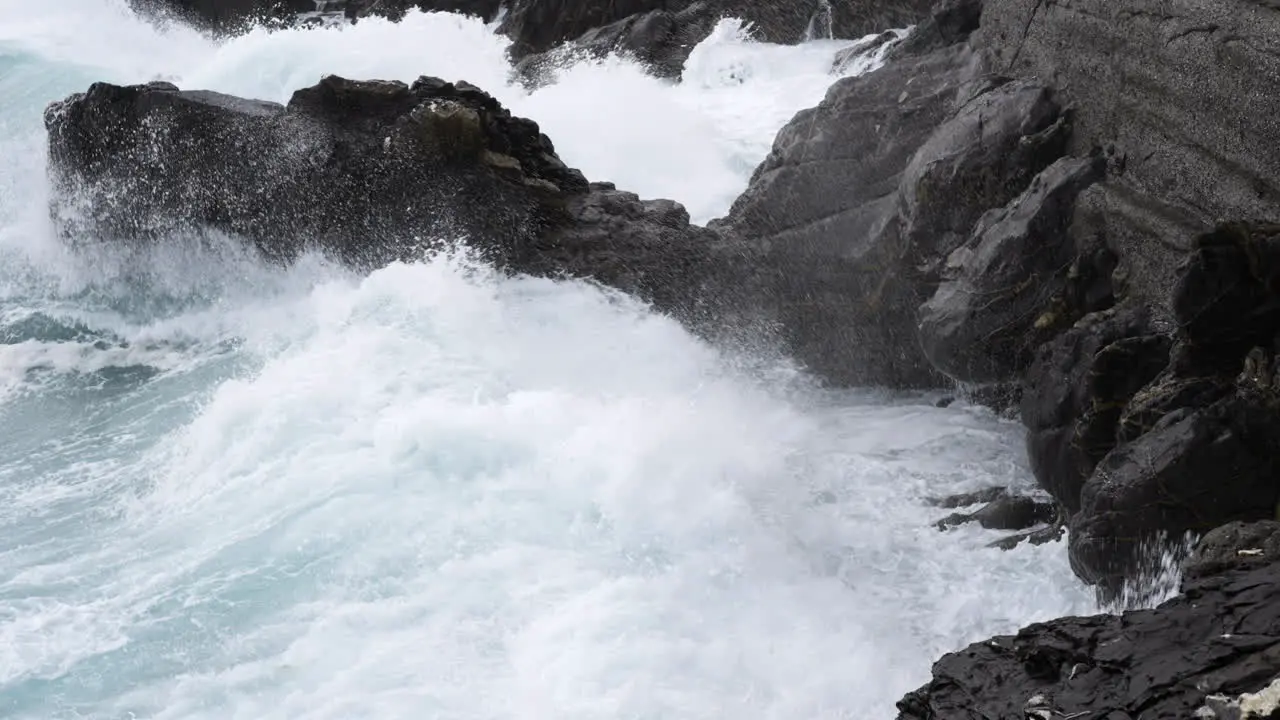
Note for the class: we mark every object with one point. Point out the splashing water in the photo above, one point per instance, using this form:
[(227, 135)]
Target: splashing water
[(237, 492)]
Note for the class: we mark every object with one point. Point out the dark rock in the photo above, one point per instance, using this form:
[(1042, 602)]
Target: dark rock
[(950, 22), (1183, 95), (980, 158), (823, 210), (225, 14), (862, 48), (486, 10), (1221, 638), (1227, 300), (536, 26), (1010, 512), (1233, 546), (978, 497), (1157, 485), (1074, 392), (980, 325), (1051, 533), (370, 172)]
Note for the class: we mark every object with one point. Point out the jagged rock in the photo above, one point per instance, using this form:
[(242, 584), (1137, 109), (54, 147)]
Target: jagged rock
[(849, 55), (487, 10), (1009, 512), (1213, 413), (225, 14), (981, 157), (1074, 391), (1227, 300), (1156, 485), (980, 325), (1184, 94), (1234, 545), (371, 172), (1048, 534), (977, 497), (826, 199), (950, 21), (536, 26), (1220, 638)]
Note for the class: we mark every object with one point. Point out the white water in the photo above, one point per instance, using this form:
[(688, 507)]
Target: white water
[(233, 492)]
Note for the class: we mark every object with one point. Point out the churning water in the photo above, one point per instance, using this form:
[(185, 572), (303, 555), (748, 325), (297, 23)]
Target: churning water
[(234, 492)]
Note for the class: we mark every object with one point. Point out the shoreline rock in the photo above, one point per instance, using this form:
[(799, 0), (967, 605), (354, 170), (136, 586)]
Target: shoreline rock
[(1208, 653)]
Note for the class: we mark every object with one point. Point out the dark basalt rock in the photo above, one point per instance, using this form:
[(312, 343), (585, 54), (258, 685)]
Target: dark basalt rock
[(1074, 386), (1184, 94), (1234, 545), (827, 199), (982, 324), (486, 10), (1011, 512), (1196, 448), (371, 172), (1215, 643), (225, 14), (536, 26), (977, 497)]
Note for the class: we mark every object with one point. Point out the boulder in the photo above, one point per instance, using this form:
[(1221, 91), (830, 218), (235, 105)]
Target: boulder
[(1213, 648), (1010, 512), (487, 10), (1074, 391), (1234, 545), (368, 172), (999, 289)]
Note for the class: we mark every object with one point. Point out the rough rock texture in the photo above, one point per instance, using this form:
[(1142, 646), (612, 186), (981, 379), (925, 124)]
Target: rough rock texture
[(536, 26), (1011, 512), (1183, 93), (370, 172), (223, 14), (395, 9), (1220, 638), (1198, 447), (981, 323)]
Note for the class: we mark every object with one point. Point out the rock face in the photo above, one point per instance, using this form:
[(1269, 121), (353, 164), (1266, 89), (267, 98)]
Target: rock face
[(536, 26), (226, 13), (369, 172), (1181, 93), (1206, 654)]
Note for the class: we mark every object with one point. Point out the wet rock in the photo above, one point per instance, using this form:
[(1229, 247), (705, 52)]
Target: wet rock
[(1233, 546), (1194, 471), (981, 157), (950, 22), (371, 172), (847, 56), (1010, 512), (225, 14), (1052, 533), (1220, 638), (977, 497), (536, 26), (1074, 392), (1227, 299), (487, 10), (823, 210), (980, 324)]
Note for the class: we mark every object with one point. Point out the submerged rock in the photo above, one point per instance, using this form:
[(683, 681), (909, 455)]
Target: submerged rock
[(1009, 512), (1215, 645)]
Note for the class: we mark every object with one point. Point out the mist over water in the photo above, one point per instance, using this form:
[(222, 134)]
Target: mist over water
[(232, 491)]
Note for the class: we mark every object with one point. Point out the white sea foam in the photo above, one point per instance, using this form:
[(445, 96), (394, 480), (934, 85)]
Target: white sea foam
[(230, 491)]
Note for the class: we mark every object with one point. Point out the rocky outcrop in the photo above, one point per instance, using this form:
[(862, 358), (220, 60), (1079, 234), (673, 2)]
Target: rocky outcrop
[(667, 28), (1207, 654), (1183, 95), (225, 14), (369, 172)]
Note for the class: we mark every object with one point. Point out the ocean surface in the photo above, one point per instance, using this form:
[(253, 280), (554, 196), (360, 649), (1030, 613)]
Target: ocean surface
[(230, 491)]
